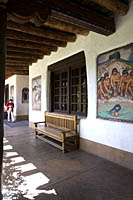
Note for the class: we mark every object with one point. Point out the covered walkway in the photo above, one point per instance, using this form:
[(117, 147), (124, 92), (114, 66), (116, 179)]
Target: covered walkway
[(35, 170)]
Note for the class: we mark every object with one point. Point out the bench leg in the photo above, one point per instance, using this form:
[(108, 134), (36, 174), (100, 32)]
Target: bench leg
[(63, 143), (35, 130), (36, 134), (76, 142), (63, 147)]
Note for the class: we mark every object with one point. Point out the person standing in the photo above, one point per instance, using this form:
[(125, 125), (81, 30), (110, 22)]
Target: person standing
[(10, 107)]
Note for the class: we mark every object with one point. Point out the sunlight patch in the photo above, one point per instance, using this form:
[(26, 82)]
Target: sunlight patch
[(15, 184), (5, 140), (32, 182), (17, 160), (35, 180), (10, 154), (37, 192), (7, 147), (26, 167), (50, 192)]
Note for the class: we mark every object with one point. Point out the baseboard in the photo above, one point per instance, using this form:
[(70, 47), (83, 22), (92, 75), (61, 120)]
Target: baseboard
[(120, 157)]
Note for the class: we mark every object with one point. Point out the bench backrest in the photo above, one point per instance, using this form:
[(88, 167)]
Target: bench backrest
[(61, 121)]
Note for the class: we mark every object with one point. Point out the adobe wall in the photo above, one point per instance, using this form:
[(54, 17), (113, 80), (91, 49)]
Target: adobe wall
[(110, 134)]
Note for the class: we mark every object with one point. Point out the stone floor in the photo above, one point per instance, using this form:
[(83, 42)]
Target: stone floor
[(35, 170)]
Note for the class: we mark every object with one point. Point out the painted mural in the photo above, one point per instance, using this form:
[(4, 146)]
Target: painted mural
[(25, 95), (36, 93), (115, 84)]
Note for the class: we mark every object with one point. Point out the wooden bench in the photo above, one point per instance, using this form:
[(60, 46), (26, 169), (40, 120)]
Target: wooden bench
[(59, 130)]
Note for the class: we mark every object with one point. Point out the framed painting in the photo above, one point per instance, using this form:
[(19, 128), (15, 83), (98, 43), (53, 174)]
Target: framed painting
[(36, 93), (115, 84), (25, 95)]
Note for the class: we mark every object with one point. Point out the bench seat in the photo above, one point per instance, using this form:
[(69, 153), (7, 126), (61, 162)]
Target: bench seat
[(54, 133)]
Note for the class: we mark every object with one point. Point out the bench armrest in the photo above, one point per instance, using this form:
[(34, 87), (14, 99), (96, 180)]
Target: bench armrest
[(35, 123), (66, 131), (70, 131)]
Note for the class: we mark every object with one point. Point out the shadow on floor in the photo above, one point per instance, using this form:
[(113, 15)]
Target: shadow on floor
[(16, 123)]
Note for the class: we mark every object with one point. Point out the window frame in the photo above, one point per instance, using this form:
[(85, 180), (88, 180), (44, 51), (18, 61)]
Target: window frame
[(76, 61)]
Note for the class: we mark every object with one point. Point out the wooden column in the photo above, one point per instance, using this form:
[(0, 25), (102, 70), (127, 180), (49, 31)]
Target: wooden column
[(3, 22)]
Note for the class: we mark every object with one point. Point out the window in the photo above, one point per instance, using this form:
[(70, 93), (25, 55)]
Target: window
[(69, 86), (60, 91)]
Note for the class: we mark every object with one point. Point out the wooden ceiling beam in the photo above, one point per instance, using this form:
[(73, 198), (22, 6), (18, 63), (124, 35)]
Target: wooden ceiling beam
[(18, 71), (8, 67), (21, 60), (11, 34), (11, 54), (72, 15), (69, 12), (10, 73), (42, 32), (12, 64), (115, 6), (63, 26), (30, 45), (3, 1), (29, 51)]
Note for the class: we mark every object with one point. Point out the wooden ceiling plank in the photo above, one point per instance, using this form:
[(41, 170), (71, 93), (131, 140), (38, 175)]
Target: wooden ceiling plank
[(42, 32), (22, 55), (30, 51), (30, 45), (115, 6), (11, 34)]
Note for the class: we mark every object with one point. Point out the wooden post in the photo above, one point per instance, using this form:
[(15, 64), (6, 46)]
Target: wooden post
[(3, 22)]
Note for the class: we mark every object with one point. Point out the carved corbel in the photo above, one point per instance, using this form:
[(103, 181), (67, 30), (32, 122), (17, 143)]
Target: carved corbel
[(19, 13)]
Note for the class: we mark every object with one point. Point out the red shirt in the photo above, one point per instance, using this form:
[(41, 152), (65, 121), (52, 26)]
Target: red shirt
[(9, 104)]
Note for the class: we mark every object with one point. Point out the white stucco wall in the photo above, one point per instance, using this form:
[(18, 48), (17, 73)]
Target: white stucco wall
[(22, 81), (19, 82), (114, 134)]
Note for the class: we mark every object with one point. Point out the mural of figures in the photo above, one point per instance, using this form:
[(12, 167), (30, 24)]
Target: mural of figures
[(36, 93), (115, 84)]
